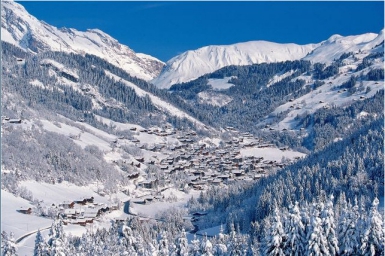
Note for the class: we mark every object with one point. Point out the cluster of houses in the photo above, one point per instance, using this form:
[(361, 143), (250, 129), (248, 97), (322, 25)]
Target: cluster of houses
[(84, 211), (207, 165), (79, 212)]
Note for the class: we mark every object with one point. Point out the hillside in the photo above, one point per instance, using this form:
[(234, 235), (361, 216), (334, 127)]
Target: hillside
[(195, 63), (20, 28)]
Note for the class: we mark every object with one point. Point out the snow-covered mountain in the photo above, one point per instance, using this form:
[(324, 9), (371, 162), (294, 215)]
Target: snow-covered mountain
[(193, 64), (24, 30), (336, 45)]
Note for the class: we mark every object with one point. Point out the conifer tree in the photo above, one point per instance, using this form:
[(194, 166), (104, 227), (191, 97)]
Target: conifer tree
[(276, 238), (373, 235), (41, 246), (329, 226), (9, 244), (295, 231), (317, 242)]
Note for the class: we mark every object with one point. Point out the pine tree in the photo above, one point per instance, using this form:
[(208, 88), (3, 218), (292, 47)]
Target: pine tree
[(329, 226), (220, 248), (373, 236), (295, 231), (9, 244), (348, 233), (276, 238), (163, 244), (181, 244), (41, 246), (194, 247), (317, 242), (128, 240), (206, 247)]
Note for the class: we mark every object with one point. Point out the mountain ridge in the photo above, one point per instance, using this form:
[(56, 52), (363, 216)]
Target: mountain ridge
[(195, 63), (20, 28)]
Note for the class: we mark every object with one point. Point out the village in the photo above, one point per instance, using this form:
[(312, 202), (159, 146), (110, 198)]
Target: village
[(179, 159), (203, 164)]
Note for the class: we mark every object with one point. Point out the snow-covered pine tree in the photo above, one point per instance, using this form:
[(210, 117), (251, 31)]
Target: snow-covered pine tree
[(295, 231), (373, 235), (41, 246), (128, 240), (220, 248), (317, 242), (194, 247), (181, 244), (329, 226), (57, 241), (8, 243), (348, 233), (163, 244), (275, 237), (206, 247)]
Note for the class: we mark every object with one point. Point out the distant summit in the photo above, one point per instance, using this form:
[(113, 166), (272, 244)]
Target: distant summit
[(193, 64), (20, 28)]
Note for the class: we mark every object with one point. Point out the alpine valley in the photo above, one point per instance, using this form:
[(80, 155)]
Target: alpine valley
[(255, 148)]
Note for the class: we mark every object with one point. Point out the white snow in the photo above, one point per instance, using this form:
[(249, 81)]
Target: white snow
[(279, 77), (270, 153), (336, 45), (22, 28), (326, 96), (195, 63), (213, 98), (159, 103), (79, 136), (220, 84)]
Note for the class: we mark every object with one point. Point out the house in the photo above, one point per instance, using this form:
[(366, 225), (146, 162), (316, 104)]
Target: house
[(25, 211), (67, 205), (149, 184), (15, 121)]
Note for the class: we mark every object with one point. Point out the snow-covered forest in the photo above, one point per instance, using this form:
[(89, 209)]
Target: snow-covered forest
[(283, 157)]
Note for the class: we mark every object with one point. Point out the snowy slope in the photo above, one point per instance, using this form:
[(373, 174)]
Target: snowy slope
[(20, 28), (336, 45), (159, 103), (193, 64)]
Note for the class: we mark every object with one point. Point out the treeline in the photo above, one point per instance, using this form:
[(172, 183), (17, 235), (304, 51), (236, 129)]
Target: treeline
[(353, 166), (321, 228)]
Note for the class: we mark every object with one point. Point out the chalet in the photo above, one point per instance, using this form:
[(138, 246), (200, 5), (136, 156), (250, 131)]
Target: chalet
[(85, 201), (91, 213), (70, 213), (140, 159), (25, 211), (134, 175), (216, 181), (67, 205), (15, 121), (149, 184), (238, 173)]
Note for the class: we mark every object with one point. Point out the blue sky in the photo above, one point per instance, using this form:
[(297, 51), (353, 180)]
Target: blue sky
[(165, 29)]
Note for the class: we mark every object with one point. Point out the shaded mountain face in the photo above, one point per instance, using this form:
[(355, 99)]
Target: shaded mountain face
[(20, 28), (195, 63)]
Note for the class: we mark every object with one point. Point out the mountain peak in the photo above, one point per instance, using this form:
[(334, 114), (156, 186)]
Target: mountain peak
[(25, 31), (195, 63)]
